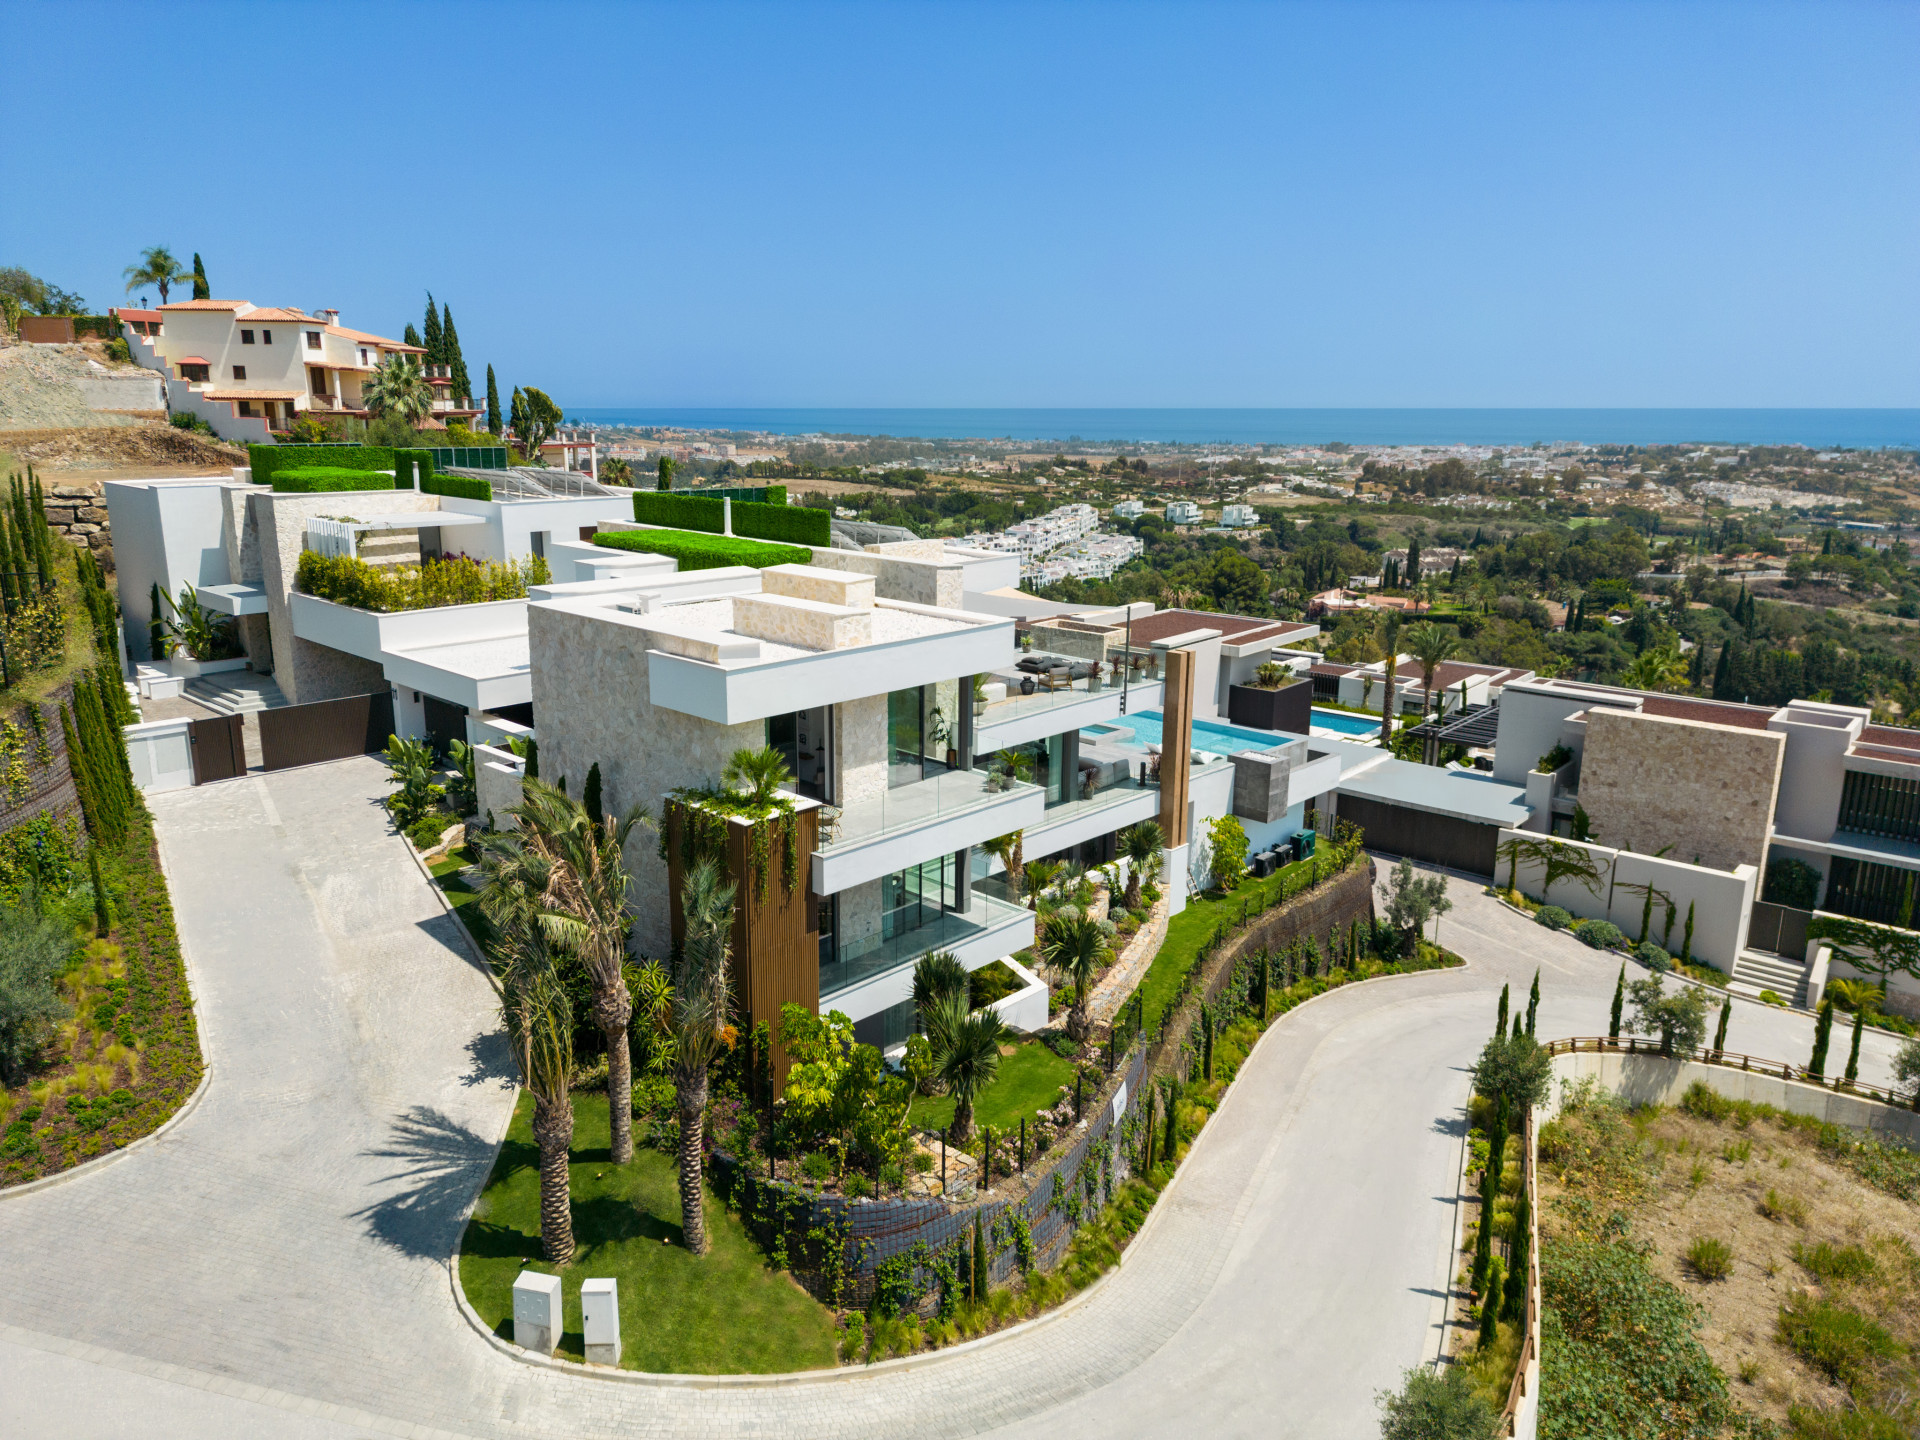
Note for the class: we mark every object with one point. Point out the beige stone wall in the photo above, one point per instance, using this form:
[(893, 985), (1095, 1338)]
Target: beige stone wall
[(1694, 792), (591, 705), (806, 624), (860, 738), (77, 509), (278, 526)]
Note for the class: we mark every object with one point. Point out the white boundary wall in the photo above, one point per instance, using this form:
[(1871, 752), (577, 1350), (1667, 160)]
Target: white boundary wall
[(160, 754), (1722, 900), (1656, 1080)]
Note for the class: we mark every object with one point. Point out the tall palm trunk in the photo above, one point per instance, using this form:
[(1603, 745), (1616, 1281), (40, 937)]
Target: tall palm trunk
[(612, 1010), (962, 1129), (691, 1096), (553, 1133), (1132, 901)]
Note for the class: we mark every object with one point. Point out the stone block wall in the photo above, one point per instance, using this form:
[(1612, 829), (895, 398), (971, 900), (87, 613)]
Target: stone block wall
[(77, 510), (1699, 793)]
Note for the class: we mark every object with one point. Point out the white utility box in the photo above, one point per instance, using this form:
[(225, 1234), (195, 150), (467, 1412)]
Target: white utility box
[(600, 1312), (536, 1311)]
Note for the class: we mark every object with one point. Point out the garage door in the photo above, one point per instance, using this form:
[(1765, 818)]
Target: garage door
[(1437, 839)]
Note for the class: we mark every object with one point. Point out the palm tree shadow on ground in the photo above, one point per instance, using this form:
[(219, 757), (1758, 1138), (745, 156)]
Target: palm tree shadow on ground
[(439, 1166)]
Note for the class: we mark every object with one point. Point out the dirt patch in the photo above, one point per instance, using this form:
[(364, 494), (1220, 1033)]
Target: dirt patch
[(37, 387), (124, 446), (1772, 1195)]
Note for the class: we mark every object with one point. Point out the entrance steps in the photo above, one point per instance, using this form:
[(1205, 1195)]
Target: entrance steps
[(236, 692), (1757, 970)]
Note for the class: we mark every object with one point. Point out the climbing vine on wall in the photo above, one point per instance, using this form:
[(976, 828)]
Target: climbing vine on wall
[(703, 814), (1881, 949)]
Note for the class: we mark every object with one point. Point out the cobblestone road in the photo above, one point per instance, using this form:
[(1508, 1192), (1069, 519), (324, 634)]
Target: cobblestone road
[(277, 1263)]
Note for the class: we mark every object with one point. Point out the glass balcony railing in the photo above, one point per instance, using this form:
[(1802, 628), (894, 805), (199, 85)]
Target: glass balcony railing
[(938, 797), (1042, 681), (854, 961)]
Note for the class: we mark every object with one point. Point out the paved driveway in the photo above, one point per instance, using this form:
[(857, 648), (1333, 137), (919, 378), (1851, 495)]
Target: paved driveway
[(277, 1264)]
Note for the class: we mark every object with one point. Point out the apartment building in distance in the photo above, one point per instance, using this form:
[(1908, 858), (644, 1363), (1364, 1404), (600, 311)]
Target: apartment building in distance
[(250, 370)]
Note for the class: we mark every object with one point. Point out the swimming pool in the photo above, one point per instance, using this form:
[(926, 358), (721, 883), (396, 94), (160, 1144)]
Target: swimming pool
[(1346, 724), (1210, 736)]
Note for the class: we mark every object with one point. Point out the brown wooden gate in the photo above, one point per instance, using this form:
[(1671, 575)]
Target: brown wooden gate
[(325, 730), (219, 748)]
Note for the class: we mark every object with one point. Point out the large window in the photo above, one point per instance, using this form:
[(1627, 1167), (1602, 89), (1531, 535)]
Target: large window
[(921, 732), (1867, 891), (1048, 760), (1880, 805), (916, 896)]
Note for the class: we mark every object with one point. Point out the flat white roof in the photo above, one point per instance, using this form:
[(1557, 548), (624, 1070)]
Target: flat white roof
[(1461, 793)]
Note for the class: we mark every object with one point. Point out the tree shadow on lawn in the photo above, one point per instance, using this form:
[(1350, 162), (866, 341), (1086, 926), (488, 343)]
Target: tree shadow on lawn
[(441, 1166)]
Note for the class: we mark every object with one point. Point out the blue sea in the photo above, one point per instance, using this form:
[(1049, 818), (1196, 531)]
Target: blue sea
[(1822, 429)]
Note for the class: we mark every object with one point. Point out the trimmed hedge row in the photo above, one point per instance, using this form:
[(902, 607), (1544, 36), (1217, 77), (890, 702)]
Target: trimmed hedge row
[(464, 486), (403, 466), (695, 550), (266, 460), (307, 479), (781, 522)]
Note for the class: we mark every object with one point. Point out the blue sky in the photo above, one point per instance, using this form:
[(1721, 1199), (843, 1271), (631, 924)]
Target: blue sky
[(981, 205)]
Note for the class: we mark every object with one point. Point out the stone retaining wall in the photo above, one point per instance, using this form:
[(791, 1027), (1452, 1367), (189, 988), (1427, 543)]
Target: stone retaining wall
[(77, 509), (47, 788)]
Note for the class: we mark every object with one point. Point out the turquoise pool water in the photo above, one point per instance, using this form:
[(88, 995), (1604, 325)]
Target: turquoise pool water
[(1210, 736), (1346, 724)]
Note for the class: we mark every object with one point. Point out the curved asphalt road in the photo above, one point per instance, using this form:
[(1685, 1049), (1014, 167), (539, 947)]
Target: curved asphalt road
[(277, 1263)]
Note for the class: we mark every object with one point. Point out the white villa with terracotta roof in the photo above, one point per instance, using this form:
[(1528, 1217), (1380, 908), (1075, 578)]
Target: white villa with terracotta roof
[(251, 370)]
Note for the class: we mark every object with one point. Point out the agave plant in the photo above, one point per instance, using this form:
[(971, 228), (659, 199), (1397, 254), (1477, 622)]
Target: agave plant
[(757, 774)]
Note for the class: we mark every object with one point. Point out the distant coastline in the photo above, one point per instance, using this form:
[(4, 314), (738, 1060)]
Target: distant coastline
[(1821, 429)]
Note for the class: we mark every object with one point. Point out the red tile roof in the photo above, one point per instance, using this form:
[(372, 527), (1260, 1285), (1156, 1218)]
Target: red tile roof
[(1710, 712), (205, 305), (1234, 629), (1891, 736)]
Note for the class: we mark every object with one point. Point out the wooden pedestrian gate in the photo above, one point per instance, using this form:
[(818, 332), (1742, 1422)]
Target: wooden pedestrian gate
[(219, 748), (325, 730)]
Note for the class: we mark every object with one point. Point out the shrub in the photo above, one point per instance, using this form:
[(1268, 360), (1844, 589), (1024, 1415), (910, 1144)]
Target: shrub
[(817, 1166), (1841, 1343), (467, 487), (34, 950), (1772, 997), (1553, 917), (1703, 1101), (349, 580), (1436, 1407), (1600, 934), (1780, 1206), (788, 524), (1709, 1258), (1653, 957), (309, 479), (694, 551), (1791, 882), (188, 421), (267, 460), (1830, 1262)]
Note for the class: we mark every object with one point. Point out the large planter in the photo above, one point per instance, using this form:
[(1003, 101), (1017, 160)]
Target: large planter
[(181, 665), (1289, 708)]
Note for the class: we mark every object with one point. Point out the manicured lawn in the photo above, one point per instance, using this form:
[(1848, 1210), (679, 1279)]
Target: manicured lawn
[(728, 1311), (463, 898), (1029, 1079), (1187, 931)]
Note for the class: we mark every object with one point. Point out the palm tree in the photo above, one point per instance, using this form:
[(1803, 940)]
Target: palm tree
[(585, 915), (1393, 664), (1007, 849), (398, 388), (969, 1063), (699, 1023), (1077, 949), (158, 268), (937, 978), (1432, 645), (1141, 846), (757, 774), (1655, 668), (538, 1018)]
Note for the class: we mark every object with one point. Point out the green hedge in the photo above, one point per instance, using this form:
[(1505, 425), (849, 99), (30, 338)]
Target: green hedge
[(403, 465), (466, 487), (693, 550), (266, 460), (781, 522), (304, 479)]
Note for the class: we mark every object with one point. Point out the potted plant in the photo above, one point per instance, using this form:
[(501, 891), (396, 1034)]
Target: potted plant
[(979, 695)]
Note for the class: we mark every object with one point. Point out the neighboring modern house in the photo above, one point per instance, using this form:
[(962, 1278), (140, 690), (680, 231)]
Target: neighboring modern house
[(1233, 516), (251, 370), (1129, 509), (1183, 512)]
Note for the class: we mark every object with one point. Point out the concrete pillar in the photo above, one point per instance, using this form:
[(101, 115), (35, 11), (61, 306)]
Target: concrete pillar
[(536, 1312), (726, 516), (1173, 878), (600, 1316)]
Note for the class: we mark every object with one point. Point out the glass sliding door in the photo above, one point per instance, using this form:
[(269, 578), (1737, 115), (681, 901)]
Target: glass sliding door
[(922, 731)]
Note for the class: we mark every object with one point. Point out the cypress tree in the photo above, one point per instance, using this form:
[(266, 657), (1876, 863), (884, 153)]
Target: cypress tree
[(100, 922), (493, 402), (1497, 1143), (1500, 1025), (157, 626), (82, 781), (10, 571), (590, 796), (1206, 1038), (1171, 1146), (1697, 667), (200, 289), (1483, 1241), (411, 336), (43, 534), (1490, 1306), (1720, 1030), (1515, 1306), (1620, 998), (1533, 1002), (450, 339), (666, 473), (1822, 1036), (1853, 1054), (979, 1261), (1723, 673), (432, 338), (1686, 939)]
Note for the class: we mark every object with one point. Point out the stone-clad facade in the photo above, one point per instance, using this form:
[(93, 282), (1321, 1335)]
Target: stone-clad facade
[(78, 510), (1692, 791)]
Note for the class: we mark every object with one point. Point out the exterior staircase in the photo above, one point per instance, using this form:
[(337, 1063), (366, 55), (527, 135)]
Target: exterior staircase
[(1758, 970), (235, 692)]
